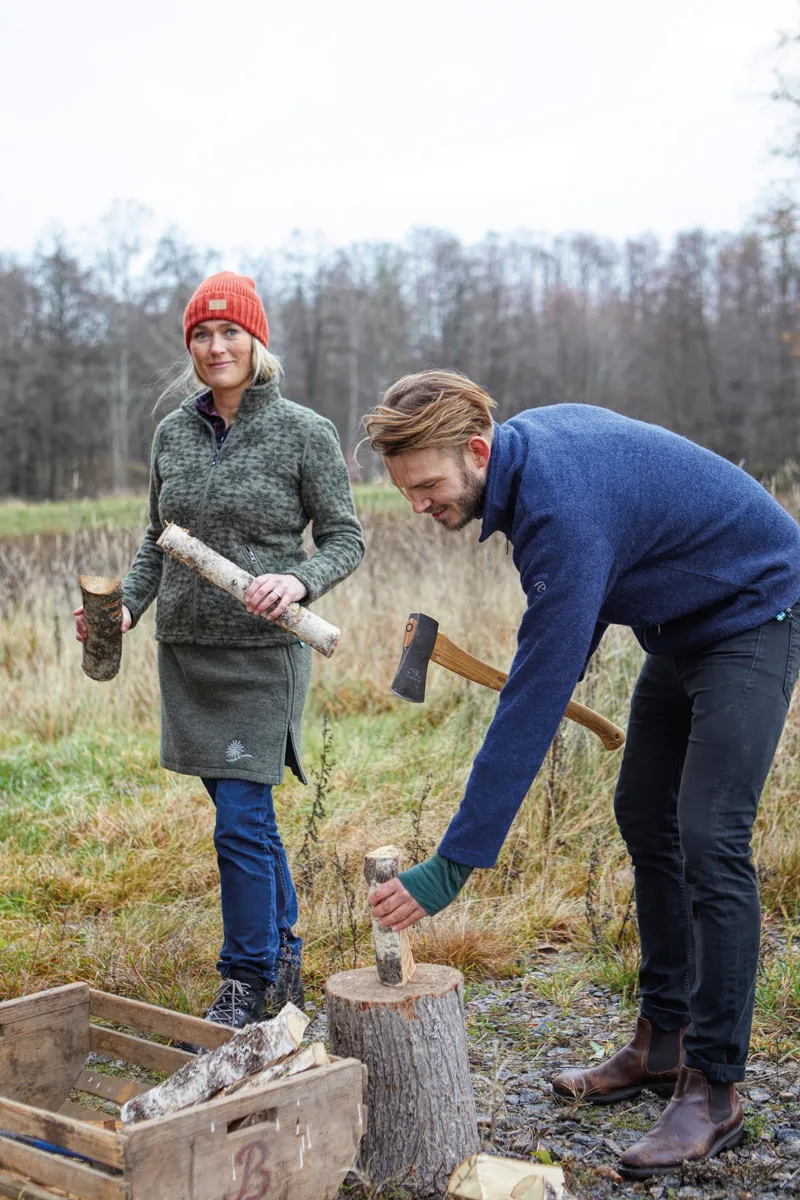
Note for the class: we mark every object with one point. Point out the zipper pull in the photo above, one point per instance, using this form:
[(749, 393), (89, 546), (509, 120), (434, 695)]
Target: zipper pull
[(251, 556)]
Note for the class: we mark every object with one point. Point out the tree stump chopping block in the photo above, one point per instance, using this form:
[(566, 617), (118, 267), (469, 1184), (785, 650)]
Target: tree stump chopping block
[(421, 1120)]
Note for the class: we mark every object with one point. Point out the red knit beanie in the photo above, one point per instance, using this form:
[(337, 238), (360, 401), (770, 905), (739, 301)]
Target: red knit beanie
[(227, 297)]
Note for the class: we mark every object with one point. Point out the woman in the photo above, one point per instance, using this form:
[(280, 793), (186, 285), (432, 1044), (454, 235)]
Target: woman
[(245, 470)]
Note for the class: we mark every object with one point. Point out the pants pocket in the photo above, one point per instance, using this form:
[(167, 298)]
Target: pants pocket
[(792, 661)]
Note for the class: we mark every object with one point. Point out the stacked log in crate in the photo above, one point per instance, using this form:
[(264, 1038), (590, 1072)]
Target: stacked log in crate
[(290, 1140)]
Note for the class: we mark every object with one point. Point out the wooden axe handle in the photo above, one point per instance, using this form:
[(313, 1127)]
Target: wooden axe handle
[(447, 654)]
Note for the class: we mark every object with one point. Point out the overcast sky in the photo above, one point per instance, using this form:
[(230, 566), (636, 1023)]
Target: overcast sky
[(240, 122)]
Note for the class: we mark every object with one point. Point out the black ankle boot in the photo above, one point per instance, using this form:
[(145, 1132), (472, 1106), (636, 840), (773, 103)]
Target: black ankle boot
[(236, 1004)]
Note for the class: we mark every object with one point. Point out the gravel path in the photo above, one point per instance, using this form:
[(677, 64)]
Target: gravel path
[(518, 1040)]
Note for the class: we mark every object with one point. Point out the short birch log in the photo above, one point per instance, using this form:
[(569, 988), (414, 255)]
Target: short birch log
[(102, 611), (421, 1120), (253, 1049), (303, 624), (487, 1177), (392, 950)]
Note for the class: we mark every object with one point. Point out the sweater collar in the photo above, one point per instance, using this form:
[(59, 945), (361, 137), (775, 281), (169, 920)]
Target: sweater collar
[(502, 484)]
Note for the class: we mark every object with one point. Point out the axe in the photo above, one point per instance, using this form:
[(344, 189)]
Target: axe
[(423, 643)]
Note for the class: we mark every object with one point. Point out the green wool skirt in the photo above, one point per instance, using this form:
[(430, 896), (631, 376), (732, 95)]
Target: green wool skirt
[(233, 713)]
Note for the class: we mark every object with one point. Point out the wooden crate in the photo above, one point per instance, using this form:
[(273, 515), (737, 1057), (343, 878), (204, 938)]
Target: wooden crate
[(301, 1139)]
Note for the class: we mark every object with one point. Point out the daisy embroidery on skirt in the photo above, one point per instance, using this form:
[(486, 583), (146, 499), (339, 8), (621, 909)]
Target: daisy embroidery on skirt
[(235, 751)]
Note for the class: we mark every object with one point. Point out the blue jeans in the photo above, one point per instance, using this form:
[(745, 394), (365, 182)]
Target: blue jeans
[(259, 903), (702, 734)]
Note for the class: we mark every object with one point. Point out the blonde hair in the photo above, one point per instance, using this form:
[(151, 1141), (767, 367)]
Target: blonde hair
[(432, 409), (183, 380)]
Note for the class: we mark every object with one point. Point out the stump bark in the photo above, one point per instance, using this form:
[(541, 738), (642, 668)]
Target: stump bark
[(102, 611), (421, 1120)]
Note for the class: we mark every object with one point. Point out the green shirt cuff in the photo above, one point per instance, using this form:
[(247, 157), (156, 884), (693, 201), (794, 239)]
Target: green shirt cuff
[(435, 883)]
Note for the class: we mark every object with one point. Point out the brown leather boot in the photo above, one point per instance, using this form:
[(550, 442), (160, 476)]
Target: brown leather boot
[(700, 1120), (628, 1071)]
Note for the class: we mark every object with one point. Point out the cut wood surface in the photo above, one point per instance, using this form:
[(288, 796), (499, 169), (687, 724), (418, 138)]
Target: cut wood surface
[(392, 949), (488, 1177), (102, 611), (250, 1050), (413, 1041), (44, 1043), (311, 1056), (297, 620)]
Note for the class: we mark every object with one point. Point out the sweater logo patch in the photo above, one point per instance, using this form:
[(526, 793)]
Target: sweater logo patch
[(235, 751)]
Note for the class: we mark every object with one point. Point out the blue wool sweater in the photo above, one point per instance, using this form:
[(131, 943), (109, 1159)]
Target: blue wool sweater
[(612, 521)]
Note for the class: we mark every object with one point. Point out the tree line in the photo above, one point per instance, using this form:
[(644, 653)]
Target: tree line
[(700, 335)]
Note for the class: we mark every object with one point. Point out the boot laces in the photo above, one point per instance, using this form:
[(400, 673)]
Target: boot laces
[(229, 993)]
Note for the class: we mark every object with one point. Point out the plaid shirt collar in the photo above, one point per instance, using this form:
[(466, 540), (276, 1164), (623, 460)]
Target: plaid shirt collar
[(204, 403)]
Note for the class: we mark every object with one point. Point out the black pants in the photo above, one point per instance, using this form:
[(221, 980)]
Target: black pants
[(703, 731)]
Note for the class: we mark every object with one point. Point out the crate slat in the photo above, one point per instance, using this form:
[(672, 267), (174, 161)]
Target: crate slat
[(139, 1051), (110, 1087), (65, 1131), (14, 1188), (161, 1021), (44, 1040), (53, 1171)]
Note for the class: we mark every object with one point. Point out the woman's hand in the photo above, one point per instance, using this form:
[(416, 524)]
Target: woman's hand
[(270, 595), (395, 907), (80, 622)]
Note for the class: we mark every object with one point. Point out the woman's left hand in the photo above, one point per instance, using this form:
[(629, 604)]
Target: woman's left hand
[(271, 595)]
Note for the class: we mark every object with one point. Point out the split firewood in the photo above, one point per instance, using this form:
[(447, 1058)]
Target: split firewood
[(311, 1056), (393, 954), (251, 1050), (487, 1177), (303, 624), (102, 611)]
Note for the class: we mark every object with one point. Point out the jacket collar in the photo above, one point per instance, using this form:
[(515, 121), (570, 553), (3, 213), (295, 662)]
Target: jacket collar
[(502, 484), (254, 399)]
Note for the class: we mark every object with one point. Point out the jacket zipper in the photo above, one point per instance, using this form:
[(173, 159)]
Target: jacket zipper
[(201, 519)]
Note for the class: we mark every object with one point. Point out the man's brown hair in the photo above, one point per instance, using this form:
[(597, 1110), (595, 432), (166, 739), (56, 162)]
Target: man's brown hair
[(430, 410)]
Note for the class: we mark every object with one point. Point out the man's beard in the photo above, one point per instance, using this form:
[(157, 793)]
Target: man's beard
[(469, 505)]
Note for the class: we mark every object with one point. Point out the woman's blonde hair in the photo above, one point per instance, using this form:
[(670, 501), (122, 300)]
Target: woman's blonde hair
[(430, 410), (183, 379)]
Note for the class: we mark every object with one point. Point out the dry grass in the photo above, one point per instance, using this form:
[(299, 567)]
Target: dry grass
[(108, 870)]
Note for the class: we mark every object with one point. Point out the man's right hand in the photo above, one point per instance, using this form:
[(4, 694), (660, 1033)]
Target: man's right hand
[(80, 622)]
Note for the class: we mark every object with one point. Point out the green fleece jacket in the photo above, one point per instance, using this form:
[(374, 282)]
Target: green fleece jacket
[(279, 468)]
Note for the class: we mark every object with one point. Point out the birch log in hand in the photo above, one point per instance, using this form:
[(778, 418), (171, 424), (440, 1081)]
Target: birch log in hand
[(102, 611), (302, 624), (392, 950)]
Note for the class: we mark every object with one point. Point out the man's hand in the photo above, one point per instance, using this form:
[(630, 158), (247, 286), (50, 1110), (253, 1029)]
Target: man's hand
[(271, 595), (395, 907)]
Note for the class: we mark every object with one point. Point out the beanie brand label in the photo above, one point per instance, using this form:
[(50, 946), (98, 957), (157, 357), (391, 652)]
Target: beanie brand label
[(215, 304)]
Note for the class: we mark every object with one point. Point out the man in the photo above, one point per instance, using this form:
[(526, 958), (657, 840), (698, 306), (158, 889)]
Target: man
[(614, 521)]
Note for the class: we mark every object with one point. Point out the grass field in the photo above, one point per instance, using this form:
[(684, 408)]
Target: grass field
[(72, 516), (108, 871)]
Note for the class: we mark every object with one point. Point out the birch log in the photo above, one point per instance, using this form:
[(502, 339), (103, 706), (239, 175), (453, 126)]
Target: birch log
[(412, 1039), (102, 611), (252, 1049), (487, 1177), (392, 950), (306, 626)]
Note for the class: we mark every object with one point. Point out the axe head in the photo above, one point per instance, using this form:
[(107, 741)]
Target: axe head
[(418, 645)]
